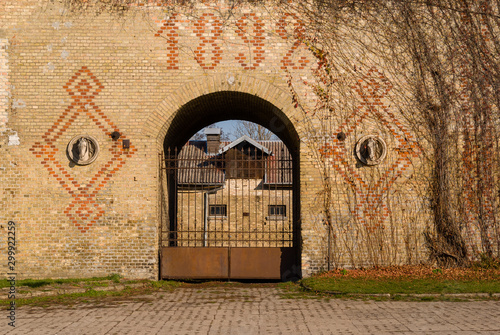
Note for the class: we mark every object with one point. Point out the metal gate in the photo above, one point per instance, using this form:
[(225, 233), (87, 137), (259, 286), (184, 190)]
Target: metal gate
[(228, 214)]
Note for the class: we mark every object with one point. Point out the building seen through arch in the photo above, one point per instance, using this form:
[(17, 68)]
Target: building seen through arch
[(234, 204)]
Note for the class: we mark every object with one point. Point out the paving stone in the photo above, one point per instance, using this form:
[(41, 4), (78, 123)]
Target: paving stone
[(245, 311)]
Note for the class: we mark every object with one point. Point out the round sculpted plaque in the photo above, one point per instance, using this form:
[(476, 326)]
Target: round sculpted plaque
[(371, 149), (83, 149)]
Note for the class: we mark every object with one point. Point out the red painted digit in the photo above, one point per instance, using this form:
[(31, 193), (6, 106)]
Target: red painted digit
[(170, 28), (297, 34), (209, 38), (254, 39)]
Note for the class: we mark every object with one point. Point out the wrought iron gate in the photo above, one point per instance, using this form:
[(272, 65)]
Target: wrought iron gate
[(229, 214)]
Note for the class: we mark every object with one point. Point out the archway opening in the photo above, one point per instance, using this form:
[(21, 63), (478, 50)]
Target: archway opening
[(227, 105), (238, 246)]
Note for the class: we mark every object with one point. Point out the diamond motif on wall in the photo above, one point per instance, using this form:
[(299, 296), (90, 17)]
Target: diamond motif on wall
[(371, 208), (84, 211)]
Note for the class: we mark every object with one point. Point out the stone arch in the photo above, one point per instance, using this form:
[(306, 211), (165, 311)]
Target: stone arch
[(218, 86), (224, 97)]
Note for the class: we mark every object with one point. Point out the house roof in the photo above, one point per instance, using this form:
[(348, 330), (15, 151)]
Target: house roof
[(242, 139), (196, 167)]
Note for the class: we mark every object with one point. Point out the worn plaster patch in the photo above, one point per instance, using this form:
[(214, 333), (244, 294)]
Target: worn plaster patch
[(230, 78), (49, 67), (18, 103), (14, 139)]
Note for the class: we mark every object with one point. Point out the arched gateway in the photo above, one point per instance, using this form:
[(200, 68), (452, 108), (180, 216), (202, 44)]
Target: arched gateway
[(232, 212)]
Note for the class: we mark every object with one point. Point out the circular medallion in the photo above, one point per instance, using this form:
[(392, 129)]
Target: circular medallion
[(83, 149), (371, 149)]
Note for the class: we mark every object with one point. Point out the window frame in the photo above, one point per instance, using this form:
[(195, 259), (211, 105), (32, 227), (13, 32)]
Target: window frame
[(215, 206), (273, 208)]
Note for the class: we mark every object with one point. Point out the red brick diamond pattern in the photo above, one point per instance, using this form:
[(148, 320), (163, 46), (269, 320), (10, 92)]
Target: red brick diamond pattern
[(83, 211), (371, 209)]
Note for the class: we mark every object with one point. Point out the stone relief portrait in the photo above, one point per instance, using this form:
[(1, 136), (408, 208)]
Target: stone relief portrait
[(83, 149), (371, 150)]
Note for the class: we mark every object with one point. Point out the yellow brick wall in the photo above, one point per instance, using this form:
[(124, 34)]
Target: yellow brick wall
[(4, 84), (143, 74)]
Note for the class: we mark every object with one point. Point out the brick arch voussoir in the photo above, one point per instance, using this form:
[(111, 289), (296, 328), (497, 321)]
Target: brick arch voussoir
[(160, 120)]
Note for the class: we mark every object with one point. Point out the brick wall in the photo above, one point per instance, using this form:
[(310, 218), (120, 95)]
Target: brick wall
[(153, 75), (4, 84)]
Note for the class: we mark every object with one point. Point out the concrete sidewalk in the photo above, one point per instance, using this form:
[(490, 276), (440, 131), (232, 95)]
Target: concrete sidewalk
[(231, 310)]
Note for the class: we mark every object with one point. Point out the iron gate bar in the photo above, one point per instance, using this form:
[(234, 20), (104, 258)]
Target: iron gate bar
[(241, 183), (245, 182)]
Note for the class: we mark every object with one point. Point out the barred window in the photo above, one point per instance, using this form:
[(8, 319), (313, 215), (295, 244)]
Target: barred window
[(217, 210), (277, 210)]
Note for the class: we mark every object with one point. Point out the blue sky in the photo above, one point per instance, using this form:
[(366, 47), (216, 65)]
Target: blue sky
[(228, 127)]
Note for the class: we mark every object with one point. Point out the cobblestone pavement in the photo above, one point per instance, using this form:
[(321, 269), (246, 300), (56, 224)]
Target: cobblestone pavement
[(257, 311)]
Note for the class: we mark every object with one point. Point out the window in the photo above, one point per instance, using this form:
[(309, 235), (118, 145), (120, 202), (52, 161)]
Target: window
[(217, 210), (277, 211)]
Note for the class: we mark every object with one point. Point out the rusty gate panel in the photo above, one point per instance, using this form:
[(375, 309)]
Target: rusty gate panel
[(226, 263), (194, 263), (260, 263)]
